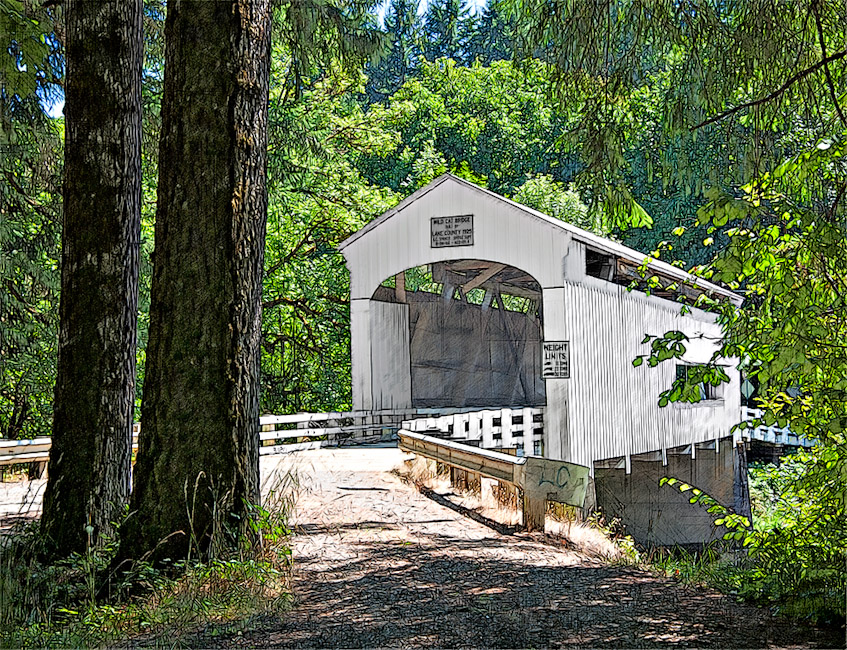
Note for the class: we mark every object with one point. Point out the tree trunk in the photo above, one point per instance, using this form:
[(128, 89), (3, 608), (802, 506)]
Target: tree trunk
[(198, 461), (89, 468)]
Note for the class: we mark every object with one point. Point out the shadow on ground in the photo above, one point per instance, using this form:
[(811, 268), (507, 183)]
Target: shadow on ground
[(413, 595)]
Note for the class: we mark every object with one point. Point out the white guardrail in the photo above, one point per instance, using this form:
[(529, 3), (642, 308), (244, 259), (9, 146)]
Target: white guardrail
[(521, 429), (289, 432), (540, 479)]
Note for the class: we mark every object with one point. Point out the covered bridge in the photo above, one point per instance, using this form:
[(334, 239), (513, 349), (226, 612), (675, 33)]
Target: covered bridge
[(463, 299)]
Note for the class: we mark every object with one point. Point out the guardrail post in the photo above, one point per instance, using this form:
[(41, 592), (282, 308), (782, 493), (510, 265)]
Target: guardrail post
[(534, 510)]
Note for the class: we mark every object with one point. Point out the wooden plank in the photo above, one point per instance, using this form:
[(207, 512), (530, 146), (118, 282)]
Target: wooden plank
[(312, 432), (483, 277), (28, 457)]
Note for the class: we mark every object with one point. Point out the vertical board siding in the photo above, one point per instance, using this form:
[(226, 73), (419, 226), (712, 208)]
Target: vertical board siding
[(390, 371), (613, 406)]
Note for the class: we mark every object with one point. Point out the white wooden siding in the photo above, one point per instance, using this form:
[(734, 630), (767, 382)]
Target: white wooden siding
[(391, 378), (613, 407)]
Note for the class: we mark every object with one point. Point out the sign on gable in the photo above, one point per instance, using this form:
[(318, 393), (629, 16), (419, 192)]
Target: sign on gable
[(452, 231)]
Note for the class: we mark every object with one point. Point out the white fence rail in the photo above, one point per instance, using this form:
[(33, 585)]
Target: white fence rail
[(37, 450), (521, 429), (281, 434), (772, 434), (518, 429), (277, 433)]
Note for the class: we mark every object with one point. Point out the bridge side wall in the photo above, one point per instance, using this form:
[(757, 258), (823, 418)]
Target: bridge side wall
[(610, 407)]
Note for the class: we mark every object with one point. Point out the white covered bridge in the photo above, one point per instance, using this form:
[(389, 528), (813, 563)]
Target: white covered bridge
[(477, 319), (463, 300)]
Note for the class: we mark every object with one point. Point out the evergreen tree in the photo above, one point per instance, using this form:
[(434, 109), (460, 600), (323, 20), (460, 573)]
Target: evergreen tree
[(89, 468), (197, 473), (401, 62), (492, 35), (442, 30)]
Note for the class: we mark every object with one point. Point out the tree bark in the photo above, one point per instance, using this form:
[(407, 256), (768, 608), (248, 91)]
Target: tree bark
[(198, 460), (89, 468)]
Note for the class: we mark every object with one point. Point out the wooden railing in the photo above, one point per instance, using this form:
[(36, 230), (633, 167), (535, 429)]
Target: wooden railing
[(773, 434), (277, 433), (286, 433), (517, 429), (37, 450), (520, 429), (540, 479)]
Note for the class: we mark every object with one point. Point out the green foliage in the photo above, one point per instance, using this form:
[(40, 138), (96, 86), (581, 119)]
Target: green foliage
[(788, 256), (391, 71), (30, 225), (443, 29), (490, 37), (796, 561), (86, 600), (316, 199), (493, 121), (752, 78), (544, 194), (31, 62)]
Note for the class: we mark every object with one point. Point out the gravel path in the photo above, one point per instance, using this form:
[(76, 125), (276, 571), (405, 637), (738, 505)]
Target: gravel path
[(377, 563)]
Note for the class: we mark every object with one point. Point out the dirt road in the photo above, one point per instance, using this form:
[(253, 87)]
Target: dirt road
[(379, 564)]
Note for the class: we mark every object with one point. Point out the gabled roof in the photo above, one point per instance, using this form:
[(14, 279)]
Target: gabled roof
[(596, 242)]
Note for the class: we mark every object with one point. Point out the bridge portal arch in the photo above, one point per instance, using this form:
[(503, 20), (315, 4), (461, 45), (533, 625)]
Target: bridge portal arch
[(467, 332)]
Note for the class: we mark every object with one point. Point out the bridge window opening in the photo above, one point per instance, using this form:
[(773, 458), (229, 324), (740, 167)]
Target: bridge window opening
[(707, 391), (538, 448), (599, 265), (628, 273)]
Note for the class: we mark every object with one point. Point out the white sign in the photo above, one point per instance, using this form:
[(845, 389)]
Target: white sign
[(452, 231), (557, 360)]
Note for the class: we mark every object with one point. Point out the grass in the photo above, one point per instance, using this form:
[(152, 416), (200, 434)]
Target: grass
[(82, 602)]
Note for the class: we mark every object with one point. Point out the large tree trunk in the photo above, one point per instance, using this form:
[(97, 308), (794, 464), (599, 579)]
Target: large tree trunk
[(198, 461), (89, 468)]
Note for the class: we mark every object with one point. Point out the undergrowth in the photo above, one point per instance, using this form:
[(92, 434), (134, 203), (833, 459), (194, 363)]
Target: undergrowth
[(790, 558), (83, 601)]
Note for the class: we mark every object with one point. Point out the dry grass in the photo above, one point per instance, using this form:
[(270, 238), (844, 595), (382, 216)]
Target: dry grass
[(500, 503), (81, 602)]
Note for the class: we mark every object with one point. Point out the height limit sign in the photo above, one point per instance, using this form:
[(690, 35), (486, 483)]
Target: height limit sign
[(557, 360)]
